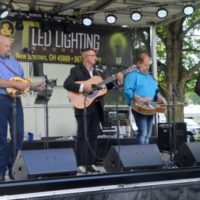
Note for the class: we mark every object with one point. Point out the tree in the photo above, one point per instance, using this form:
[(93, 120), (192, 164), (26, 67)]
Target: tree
[(182, 50)]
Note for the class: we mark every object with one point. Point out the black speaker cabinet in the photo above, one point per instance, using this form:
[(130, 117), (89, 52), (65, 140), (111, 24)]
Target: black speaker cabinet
[(188, 155), (132, 157), (164, 131), (44, 163)]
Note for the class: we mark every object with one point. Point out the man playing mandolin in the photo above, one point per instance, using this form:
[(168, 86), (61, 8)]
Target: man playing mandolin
[(9, 68), (141, 90), (81, 82)]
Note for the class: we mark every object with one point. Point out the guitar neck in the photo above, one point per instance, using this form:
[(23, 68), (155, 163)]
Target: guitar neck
[(114, 77)]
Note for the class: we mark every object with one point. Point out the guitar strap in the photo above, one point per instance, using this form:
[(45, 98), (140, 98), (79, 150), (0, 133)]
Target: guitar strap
[(4, 64)]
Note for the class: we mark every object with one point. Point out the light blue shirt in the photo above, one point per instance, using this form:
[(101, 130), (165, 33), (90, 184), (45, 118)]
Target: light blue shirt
[(140, 84), (6, 74)]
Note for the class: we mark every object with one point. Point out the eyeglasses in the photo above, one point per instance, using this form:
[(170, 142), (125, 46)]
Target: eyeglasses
[(93, 55)]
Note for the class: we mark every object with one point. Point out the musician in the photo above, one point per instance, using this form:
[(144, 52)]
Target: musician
[(141, 88), (6, 103), (94, 112)]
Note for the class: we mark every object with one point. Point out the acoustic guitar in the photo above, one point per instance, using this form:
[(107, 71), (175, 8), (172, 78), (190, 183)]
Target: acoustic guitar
[(149, 108), (81, 100), (12, 92)]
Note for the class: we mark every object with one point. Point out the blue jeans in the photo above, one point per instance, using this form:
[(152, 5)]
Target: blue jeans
[(144, 124), (7, 156)]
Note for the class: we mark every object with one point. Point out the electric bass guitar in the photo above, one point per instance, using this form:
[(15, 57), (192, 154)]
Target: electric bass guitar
[(80, 100), (12, 92)]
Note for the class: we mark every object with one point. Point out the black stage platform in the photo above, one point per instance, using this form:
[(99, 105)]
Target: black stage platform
[(169, 182), (152, 185)]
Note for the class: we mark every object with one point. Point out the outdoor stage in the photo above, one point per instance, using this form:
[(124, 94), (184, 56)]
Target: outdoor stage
[(171, 184), (166, 182)]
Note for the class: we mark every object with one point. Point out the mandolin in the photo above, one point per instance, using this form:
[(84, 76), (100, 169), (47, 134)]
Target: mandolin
[(12, 92)]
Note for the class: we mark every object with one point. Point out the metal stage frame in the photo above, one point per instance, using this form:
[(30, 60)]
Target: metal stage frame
[(106, 183)]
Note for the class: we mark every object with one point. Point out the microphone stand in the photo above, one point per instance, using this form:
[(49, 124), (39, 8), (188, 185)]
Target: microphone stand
[(174, 93), (85, 131), (47, 97), (14, 127), (116, 87), (172, 132)]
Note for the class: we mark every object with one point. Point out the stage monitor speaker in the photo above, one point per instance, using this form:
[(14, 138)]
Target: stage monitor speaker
[(164, 130), (44, 163), (188, 155), (132, 158)]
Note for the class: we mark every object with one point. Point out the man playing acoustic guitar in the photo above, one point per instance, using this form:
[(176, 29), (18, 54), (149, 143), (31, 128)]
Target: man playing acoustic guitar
[(9, 68), (79, 83), (141, 90)]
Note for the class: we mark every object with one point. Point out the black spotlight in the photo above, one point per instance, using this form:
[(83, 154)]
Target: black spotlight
[(87, 21), (111, 19), (66, 27), (4, 13), (188, 10), (136, 16), (19, 25), (162, 13), (45, 25)]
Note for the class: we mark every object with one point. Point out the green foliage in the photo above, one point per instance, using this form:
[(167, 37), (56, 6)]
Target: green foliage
[(192, 98)]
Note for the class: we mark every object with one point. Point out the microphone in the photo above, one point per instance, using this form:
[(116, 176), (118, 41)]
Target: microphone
[(96, 87), (26, 50)]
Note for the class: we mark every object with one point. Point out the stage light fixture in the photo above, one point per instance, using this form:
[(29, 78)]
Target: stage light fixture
[(87, 21), (19, 25), (136, 16), (162, 13), (45, 25), (188, 10), (4, 13), (111, 19)]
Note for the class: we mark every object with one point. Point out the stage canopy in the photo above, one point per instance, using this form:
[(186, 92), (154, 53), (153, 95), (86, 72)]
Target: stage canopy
[(75, 10)]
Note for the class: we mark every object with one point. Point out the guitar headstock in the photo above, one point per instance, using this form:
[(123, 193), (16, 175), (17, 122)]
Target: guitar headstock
[(130, 69)]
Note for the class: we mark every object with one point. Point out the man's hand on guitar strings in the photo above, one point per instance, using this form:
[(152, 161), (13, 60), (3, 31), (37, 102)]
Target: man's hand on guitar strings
[(19, 85), (87, 88)]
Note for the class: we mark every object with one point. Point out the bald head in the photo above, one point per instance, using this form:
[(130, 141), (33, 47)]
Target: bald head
[(144, 62), (5, 45)]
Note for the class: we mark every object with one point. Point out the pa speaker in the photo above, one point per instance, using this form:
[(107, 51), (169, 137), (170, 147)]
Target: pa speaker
[(44, 163), (188, 155), (164, 131), (132, 157)]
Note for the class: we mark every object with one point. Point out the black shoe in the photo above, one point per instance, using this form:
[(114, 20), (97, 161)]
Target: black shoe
[(2, 178), (11, 176), (93, 169)]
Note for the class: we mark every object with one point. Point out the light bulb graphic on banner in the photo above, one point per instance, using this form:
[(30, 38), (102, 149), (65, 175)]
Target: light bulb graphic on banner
[(118, 44)]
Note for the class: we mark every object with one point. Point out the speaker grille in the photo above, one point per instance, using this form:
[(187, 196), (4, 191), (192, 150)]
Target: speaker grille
[(188, 155), (46, 162), (132, 157)]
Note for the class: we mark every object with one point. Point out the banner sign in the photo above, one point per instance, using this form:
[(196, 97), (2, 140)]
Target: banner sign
[(64, 43)]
